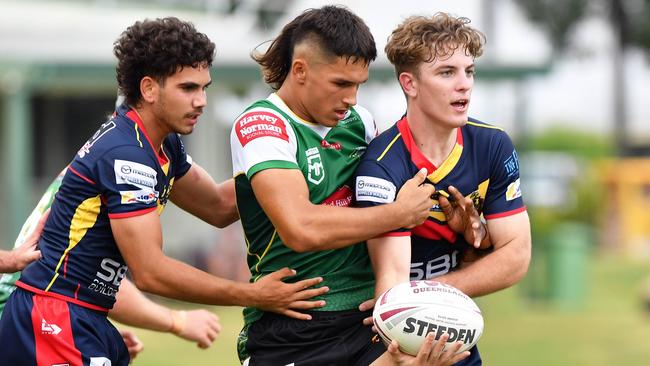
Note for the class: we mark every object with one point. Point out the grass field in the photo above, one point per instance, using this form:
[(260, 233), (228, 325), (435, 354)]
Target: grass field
[(609, 328)]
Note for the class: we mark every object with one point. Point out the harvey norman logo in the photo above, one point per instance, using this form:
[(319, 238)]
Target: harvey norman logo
[(259, 124)]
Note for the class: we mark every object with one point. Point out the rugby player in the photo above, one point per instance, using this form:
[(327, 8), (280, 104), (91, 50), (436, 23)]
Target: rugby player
[(473, 166), (294, 154), (105, 216)]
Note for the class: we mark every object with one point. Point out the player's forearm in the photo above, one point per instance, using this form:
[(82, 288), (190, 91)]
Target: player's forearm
[(390, 257), (330, 227), (174, 279), (7, 262), (135, 309), (500, 269)]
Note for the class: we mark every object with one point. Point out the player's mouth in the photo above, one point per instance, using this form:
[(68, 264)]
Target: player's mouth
[(341, 113), (193, 117), (460, 105)]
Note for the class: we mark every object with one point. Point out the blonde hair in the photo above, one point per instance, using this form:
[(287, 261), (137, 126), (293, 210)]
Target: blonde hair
[(421, 39)]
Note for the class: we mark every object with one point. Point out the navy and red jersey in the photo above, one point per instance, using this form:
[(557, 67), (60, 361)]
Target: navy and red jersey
[(483, 165), (117, 173)]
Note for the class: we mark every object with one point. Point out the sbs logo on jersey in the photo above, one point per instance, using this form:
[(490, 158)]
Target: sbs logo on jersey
[(315, 168)]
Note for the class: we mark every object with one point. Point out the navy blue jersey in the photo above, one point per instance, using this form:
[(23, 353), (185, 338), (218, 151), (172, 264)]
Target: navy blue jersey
[(116, 174), (483, 165)]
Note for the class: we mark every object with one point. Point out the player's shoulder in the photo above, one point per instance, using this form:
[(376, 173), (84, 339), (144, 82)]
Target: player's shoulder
[(476, 126), (386, 143)]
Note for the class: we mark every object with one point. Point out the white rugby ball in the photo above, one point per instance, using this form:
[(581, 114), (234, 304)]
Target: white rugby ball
[(409, 311)]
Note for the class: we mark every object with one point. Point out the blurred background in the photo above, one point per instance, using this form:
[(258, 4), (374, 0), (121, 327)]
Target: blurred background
[(566, 78)]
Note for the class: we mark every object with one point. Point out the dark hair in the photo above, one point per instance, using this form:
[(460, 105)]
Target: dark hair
[(158, 48), (336, 30), (424, 39)]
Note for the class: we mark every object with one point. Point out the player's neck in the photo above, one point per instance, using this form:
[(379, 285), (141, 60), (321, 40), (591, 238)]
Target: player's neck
[(291, 100), (435, 141), (152, 126)]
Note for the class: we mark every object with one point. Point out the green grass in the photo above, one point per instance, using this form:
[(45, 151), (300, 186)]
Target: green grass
[(608, 327)]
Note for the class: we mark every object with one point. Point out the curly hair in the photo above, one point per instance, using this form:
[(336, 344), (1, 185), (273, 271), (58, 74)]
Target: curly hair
[(335, 29), (158, 48), (424, 39)]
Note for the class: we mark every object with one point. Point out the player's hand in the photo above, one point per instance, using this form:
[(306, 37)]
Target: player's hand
[(365, 306), (26, 253), (431, 353), (200, 326), (463, 218), (270, 293), (415, 199), (133, 344)]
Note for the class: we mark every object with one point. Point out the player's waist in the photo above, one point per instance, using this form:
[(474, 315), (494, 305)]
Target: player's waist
[(61, 295)]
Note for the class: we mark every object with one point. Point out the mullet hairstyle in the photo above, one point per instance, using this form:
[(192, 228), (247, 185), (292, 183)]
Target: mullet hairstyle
[(158, 48), (336, 30), (424, 39)]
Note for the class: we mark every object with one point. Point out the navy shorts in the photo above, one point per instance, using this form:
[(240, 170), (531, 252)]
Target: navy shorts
[(330, 338), (44, 330)]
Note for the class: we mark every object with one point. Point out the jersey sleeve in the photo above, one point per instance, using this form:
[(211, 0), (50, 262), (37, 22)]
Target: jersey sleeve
[(373, 186), (368, 122), (503, 197), (262, 139), (183, 159), (127, 181)]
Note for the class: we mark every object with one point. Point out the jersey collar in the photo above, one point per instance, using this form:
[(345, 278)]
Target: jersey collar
[(160, 152), (436, 174)]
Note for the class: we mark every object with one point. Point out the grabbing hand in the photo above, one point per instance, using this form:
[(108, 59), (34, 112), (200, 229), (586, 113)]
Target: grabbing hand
[(272, 294), (415, 198), (200, 326), (431, 353), (26, 253), (133, 344), (463, 218)]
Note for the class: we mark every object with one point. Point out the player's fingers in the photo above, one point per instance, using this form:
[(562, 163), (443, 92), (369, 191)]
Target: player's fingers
[(425, 348), (455, 193), (296, 315), (306, 305), (420, 176), (282, 273), (368, 321), (308, 294), (459, 357), (305, 284), (446, 207), (367, 305), (438, 347)]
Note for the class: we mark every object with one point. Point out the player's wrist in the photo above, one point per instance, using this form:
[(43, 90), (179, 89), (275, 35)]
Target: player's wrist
[(178, 320)]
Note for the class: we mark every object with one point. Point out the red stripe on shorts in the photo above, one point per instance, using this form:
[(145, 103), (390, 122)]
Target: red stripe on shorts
[(53, 333)]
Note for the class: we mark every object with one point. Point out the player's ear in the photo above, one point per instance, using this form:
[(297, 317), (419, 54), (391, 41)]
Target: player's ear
[(299, 69), (409, 84), (148, 89)]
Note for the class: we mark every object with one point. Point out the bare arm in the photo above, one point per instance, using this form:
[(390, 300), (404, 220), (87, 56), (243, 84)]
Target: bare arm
[(139, 240), (18, 258), (304, 226), (197, 193), (134, 309), (503, 267), (391, 261)]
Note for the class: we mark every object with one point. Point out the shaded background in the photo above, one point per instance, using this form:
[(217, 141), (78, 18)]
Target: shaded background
[(566, 78)]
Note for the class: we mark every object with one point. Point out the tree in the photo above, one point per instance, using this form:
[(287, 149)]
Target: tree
[(628, 19)]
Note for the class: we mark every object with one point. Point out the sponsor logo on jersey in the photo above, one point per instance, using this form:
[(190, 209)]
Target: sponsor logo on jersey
[(108, 277), (334, 145), (357, 152), (257, 124), (513, 191), (316, 170), (139, 175), (103, 129), (145, 196), (342, 197), (100, 361), (512, 164), (49, 328), (373, 189)]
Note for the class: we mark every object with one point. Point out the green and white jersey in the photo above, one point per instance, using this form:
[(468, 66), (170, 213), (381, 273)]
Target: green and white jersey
[(8, 280), (268, 135)]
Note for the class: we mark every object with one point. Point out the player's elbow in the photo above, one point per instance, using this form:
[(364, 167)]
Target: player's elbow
[(144, 281), (521, 261), (301, 241)]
